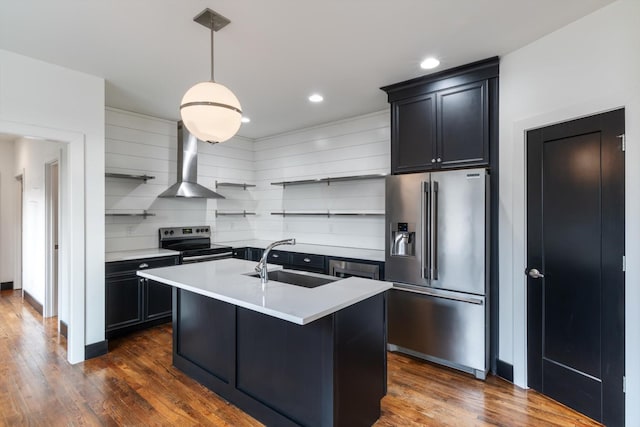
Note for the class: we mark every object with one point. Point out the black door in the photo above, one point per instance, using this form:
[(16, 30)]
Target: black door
[(575, 243)]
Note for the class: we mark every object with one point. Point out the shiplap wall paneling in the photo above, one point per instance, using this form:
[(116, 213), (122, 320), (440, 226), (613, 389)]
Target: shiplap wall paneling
[(357, 146), (138, 144)]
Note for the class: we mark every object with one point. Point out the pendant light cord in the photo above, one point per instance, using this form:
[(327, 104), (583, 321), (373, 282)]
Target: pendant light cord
[(212, 23)]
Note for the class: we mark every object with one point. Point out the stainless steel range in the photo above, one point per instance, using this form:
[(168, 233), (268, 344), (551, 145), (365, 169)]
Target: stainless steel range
[(193, 243)]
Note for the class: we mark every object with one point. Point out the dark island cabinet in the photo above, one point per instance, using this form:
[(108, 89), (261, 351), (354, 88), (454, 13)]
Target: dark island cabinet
[(133, 303), (444, 120)]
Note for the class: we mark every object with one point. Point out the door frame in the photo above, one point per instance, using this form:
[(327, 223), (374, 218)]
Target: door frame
[(72, 233), (52, 271), (518, 225), (17, 267)]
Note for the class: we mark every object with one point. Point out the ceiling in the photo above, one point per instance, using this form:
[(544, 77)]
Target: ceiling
[(275, 53)]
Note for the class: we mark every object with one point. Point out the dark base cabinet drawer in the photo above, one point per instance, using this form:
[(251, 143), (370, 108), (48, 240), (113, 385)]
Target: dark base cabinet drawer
[(308, 262), (121, 267), (278, 257)]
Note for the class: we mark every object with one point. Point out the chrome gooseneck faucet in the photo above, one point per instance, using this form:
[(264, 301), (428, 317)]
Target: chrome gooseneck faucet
[(262, 265)]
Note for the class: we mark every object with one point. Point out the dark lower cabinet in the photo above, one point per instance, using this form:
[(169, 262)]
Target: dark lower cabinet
[(330, 372), (157, 300), (307, 262), (240, 253), (133, 303), (123, 301)]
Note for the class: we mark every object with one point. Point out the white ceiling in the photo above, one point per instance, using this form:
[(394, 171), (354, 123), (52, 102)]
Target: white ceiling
[(274, 53)]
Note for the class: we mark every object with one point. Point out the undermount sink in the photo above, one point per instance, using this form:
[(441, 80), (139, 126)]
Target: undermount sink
[(298, 278)]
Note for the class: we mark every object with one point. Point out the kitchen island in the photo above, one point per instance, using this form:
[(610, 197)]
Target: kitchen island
[(287, 355)]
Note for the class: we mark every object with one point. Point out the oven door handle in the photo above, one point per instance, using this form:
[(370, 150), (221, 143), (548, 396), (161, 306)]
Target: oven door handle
[(201, 257)]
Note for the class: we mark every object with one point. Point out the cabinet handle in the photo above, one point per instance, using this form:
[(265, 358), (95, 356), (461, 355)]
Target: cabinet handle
[(275, 255), (306, 260), (143, 265), (433, 160), (439, 160)]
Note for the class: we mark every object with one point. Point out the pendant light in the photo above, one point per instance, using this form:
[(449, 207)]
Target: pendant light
[(209, 110)]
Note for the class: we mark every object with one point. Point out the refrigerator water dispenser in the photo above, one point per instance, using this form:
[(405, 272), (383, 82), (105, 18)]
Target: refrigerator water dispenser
[(403, 240)]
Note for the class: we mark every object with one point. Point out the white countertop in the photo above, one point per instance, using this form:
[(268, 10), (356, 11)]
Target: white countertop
[(337, 251), (226, 280), (138, 254)]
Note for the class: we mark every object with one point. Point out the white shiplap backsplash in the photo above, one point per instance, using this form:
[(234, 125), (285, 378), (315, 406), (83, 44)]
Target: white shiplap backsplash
[(358, 146), (139, 144)]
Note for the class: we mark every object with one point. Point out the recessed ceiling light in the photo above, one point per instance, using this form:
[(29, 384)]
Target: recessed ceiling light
[(245, 119), (316, 97), (429, 63)]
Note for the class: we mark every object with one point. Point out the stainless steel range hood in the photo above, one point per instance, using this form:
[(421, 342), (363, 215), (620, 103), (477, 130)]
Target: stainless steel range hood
[(188, 170)]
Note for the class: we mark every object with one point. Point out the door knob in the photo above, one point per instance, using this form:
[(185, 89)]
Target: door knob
[(534, 273)]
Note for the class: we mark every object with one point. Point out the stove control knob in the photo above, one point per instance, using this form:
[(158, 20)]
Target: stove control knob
[(206, 229), (166, 232), (171, 232)]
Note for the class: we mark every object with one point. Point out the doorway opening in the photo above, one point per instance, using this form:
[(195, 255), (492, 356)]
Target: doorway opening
[(52, 191)]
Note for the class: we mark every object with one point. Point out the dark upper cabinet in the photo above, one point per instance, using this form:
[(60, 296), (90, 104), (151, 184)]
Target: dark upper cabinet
[(414, 122), (445, 120), (463, 137)]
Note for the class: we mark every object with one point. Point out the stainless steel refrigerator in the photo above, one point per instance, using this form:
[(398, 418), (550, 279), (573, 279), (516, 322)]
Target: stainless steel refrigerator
[(437, 234)]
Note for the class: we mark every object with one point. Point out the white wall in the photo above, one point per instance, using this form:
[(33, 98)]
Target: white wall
[(30, 159), (589, 66), (356, 146), (8, 198), (51, 102), (138, 144)]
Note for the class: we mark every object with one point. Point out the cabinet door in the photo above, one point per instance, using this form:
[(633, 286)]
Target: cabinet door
[(123, 301), (158, 296), (241, 253), (463, 131), (413, 137), (254, 254)]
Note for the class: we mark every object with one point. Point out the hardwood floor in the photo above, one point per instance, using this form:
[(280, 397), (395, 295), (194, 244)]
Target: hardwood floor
[(135, 384)]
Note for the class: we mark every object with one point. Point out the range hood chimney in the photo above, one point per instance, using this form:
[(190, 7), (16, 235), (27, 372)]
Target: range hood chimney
[(188, 170)]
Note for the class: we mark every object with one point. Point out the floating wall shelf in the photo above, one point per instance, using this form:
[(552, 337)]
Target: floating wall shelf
[(143, 214), (243, 185), (129, 176), (329, 180), (326, 213), (233, 213)]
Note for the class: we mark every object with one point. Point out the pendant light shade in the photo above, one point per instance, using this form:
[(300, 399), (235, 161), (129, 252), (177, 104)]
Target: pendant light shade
[(211, 112)]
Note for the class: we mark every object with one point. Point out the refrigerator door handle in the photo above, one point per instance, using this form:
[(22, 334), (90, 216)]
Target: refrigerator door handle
[(434, 232), (470, 300), (426, 205)]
